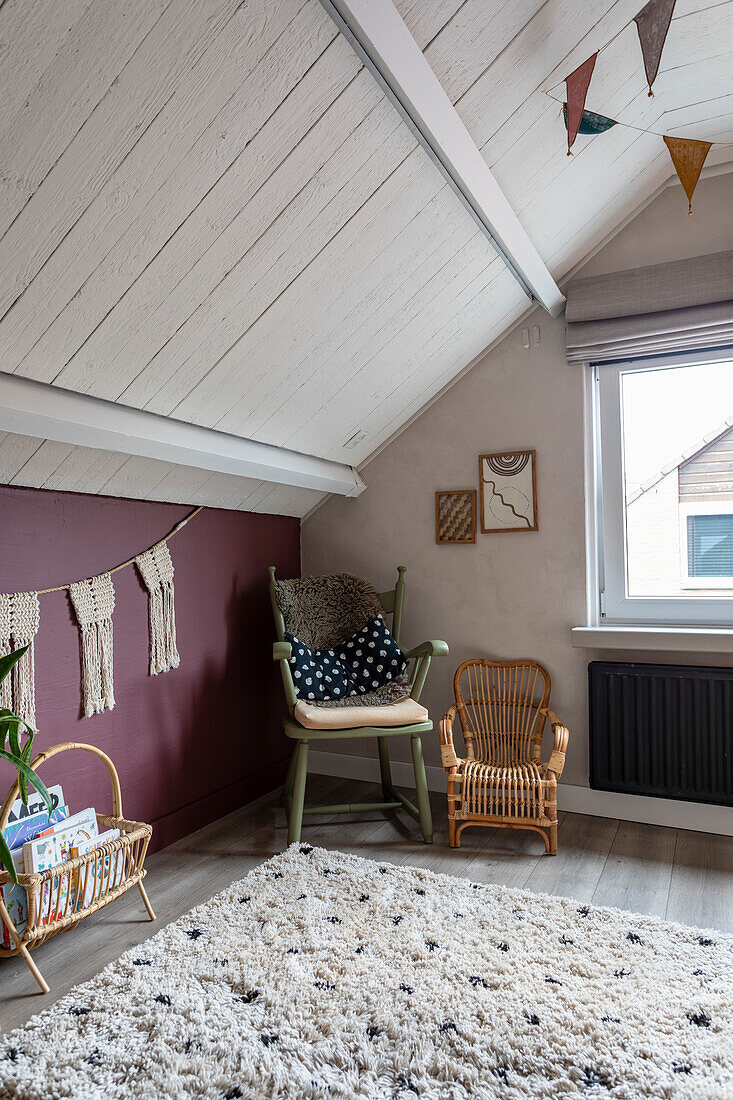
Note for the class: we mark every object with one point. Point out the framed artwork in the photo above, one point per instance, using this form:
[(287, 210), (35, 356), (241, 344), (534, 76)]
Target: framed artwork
[(508, 487), (455, 516)]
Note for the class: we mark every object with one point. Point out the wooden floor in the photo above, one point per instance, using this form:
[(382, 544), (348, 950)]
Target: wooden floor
[(671, 873)]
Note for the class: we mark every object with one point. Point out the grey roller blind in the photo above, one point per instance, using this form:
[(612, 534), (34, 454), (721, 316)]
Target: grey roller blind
[(668, 307)]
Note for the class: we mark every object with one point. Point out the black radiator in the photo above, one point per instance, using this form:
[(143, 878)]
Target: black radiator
[(664, 730)]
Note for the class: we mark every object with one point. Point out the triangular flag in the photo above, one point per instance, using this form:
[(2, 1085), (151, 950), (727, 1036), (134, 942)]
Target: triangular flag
[(688, 157), (652, 23), (577, 89), (590, 122)]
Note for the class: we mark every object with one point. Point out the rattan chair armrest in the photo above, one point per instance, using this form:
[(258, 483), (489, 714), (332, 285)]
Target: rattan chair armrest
[(428, 649), (556, 762), (281, 651), (445, 733)]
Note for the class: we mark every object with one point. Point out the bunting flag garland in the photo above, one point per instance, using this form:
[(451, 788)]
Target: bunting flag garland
[(576, 90), (19, 621), (94, 602), (652, 23), (688, 156), (590, 122), (156, 569)]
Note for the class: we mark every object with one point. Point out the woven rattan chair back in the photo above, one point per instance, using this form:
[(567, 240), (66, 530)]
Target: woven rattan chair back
[(499, 704)]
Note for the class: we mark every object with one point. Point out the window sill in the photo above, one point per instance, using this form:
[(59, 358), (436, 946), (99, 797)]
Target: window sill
[(675, 639)]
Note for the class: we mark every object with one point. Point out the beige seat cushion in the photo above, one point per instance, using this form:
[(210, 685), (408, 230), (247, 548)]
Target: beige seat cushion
[(404, 713)]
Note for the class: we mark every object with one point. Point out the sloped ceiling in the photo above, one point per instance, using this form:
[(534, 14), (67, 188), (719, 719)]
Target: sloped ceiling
[(209, 210)]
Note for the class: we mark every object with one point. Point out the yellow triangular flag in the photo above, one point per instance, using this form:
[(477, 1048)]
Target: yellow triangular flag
[(688, 157)]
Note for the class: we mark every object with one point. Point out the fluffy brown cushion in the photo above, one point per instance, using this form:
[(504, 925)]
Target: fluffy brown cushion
[(324, 611)]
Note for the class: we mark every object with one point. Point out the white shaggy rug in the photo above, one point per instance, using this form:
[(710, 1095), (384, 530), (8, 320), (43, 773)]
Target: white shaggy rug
[(324, 975)]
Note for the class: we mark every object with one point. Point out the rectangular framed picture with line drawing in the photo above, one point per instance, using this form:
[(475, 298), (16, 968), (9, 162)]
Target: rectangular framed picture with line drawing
[(508, 487), (455, 517)]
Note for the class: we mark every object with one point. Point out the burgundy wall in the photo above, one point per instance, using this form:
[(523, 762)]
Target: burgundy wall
[(192, 744)]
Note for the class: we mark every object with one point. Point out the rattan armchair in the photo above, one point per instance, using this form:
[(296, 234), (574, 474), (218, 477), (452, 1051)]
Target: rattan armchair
[(502, 707)]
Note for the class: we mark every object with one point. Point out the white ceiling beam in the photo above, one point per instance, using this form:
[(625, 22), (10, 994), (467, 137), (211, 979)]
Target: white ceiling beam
[(49, 412), (380, 37)]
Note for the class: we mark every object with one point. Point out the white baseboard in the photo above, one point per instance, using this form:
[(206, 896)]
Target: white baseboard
[(580, 800)]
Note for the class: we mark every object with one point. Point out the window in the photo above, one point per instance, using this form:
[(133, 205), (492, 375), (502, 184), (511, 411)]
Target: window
[(663, 450)]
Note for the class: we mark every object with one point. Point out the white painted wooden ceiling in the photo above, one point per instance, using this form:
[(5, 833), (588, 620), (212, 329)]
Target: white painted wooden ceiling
[(209, 210)]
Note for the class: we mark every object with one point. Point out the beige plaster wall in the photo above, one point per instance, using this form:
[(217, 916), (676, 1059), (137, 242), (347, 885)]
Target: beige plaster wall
[(512, 594)]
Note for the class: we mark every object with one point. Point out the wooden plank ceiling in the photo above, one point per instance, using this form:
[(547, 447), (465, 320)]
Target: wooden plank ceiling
[(209, 210)]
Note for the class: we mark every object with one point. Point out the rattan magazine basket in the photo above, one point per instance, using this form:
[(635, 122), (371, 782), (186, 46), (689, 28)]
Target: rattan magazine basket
[(57, 899)]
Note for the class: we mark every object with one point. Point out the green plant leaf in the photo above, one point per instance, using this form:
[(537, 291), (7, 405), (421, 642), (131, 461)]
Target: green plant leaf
[(10, 723), (23, 768), (10, 659), (13, 738), (26, 755), (6, 859)]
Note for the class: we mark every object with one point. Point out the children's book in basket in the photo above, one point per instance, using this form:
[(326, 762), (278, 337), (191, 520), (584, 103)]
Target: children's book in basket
[(39, 841)]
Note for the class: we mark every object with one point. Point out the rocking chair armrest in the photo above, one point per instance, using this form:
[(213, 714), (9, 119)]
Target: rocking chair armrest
[(556, 762), (428, 649), (282, 652), (445, 734), (423, 655)]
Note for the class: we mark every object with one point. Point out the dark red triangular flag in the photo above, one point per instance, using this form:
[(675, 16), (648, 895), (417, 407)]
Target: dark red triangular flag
[(577, 89), (652, 23), (688, 156)]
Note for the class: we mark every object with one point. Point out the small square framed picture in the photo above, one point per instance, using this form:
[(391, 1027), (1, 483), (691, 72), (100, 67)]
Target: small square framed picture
[(455, 517), (508, 487)]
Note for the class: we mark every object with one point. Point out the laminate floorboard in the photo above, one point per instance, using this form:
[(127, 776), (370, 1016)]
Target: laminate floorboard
[(684, 876)]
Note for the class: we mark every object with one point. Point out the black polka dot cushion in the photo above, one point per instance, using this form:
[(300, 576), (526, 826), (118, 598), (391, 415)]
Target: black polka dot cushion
[(318, 673), (372, 657)]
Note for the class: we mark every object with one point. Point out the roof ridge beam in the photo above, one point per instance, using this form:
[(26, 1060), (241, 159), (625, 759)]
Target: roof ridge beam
[(380, 37)]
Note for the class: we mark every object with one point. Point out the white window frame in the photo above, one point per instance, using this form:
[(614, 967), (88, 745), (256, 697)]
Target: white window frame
[(607, 510)]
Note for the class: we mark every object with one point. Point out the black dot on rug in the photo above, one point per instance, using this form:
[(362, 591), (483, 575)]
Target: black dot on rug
[(593, 1077)]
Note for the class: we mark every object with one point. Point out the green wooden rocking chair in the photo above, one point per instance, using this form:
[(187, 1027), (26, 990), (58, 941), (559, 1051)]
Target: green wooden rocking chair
[(413, 718)]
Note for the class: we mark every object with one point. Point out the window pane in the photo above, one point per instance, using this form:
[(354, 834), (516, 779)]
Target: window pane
[(678, 480), (710, 546)]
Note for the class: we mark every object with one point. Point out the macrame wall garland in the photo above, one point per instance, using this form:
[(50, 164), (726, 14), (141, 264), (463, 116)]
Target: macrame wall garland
[(156, 569), (94, 602), (19, 622), (652, 25)]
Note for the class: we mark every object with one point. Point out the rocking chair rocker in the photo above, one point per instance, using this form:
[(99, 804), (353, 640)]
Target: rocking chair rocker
[(404, 718), (501, 782)]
